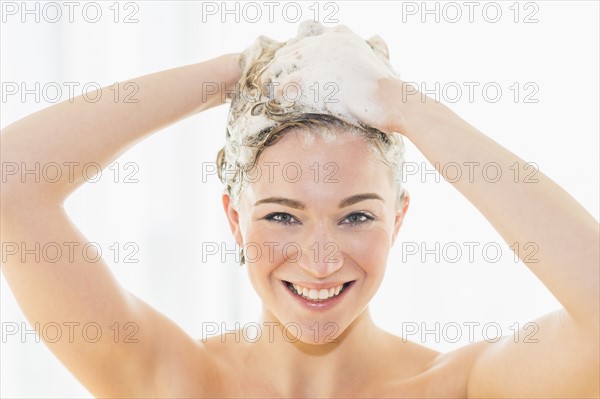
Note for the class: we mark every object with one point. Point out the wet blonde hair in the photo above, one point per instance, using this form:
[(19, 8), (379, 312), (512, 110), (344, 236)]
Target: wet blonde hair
[(256, 120), (388, 148)]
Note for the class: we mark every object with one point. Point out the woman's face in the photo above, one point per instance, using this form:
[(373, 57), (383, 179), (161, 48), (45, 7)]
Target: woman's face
[(316, 221)]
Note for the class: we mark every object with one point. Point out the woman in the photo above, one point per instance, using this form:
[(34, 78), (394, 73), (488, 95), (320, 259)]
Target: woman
[(315, 242)]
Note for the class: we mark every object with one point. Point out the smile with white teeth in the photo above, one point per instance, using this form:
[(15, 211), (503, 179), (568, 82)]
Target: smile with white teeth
[(314, 294)]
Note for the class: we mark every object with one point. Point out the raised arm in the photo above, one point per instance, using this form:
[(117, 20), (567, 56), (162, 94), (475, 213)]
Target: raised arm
[(565, 361), (75, 291)]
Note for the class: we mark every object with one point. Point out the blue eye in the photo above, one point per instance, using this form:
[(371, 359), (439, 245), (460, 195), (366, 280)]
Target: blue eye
[(282, 218), (357, 218)]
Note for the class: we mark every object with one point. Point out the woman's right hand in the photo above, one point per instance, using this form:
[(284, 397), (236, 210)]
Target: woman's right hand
[(229, 66)]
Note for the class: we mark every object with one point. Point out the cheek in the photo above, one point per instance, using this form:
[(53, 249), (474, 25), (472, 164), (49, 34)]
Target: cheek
[(263, 251), (262, 245), (368, 249)]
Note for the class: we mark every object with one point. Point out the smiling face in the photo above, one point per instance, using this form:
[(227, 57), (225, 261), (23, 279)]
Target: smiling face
[(317, 220)]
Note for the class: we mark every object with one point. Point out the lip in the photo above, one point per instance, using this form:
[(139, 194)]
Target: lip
[(319, 305), (318, 286)]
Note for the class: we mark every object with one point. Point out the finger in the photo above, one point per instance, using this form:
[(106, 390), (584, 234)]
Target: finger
[(377, 43)]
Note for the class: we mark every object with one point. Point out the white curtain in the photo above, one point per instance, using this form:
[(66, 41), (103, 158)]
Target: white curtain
[(533, 72)]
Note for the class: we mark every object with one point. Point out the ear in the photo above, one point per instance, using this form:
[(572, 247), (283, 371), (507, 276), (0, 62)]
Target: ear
[(233, 218), (400, 215)]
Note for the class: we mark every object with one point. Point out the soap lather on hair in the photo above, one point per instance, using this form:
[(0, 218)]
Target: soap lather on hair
[(304, 82)]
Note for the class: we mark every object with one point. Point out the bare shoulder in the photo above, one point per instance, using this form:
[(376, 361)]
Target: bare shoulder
[(426, 373), (562, 361), (235, 369), (188, 369)]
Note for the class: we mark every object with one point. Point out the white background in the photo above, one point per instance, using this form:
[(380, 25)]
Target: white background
[(170, 212)]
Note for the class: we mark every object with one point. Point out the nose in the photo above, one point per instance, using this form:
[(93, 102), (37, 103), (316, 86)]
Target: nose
[(321, 254)]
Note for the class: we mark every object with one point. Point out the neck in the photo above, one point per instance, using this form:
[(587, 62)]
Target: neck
[(299, 368)]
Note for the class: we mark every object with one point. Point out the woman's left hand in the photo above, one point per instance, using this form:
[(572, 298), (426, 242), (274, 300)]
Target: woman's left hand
[(339, 73)]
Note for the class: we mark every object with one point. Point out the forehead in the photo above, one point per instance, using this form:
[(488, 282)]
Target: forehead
[(319, 169)]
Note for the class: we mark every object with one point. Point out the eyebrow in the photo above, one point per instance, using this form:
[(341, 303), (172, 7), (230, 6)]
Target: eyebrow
[(281, 201), (353, 199)]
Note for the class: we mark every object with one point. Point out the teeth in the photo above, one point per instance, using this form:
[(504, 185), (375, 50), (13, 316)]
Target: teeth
[(317, 295)]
